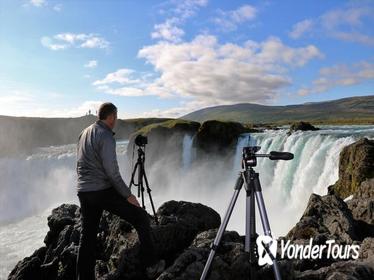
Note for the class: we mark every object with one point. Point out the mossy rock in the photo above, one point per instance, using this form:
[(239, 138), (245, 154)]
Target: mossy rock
[(302, 126), (165, 139), (170, 126), (356, 164), (217, 136)]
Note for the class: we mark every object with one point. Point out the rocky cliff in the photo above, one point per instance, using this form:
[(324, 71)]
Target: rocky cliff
[(187, 229), (356, 164)]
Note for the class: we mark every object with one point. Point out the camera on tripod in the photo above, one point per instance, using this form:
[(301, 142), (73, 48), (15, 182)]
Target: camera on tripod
[(141, 140), (250, 179), (139, 170)]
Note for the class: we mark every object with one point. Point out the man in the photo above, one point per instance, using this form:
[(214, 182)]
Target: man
[(101, 187)]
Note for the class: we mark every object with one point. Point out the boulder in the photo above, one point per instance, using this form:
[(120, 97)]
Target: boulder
[(325, 217), (344, 270), (356, 164), (303, 126), (117, 242), (218, 136), (362, 203), (165, 139)]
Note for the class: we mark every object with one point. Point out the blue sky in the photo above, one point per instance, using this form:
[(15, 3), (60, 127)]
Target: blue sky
[(168, 58)]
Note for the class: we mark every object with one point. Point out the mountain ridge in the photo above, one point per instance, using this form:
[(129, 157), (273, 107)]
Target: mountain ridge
[(358, 109)]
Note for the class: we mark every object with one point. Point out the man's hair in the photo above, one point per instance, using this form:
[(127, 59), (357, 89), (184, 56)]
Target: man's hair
[(106, 109)]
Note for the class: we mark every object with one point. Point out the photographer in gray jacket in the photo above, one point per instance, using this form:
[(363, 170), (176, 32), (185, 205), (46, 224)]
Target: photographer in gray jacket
[(101, 187)]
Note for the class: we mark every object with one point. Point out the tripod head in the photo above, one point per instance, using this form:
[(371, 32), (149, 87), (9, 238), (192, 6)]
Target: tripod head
[(250, 156)]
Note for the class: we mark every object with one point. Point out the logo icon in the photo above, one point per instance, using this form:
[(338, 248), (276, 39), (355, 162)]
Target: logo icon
[(266, 245)]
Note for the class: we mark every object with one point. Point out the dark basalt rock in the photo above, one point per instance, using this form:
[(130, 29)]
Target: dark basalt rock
[(362, 203), (328, 216), (303, 126), (346, 270), (217, 136), (165, 139), (356, 164), (186, 231), (117, 243)]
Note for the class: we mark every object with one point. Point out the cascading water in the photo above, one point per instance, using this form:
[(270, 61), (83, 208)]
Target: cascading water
[(188, 153), (47, 178), (30, 187)]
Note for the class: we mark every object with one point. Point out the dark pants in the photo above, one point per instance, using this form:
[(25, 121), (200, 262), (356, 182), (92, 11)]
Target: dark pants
[(92, 205)]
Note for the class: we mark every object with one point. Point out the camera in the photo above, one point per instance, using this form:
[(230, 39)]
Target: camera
[(141, 140), (249, 155)]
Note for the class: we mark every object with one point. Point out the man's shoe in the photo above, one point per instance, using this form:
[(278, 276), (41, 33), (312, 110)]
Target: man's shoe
[(155, 270)]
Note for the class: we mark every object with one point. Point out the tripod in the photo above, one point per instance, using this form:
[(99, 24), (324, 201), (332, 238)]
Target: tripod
[(141, 175), (253, 194)]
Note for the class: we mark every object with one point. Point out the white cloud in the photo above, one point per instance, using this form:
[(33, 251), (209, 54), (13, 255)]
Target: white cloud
[(229, 20), (38, 3), (122, 82), (168, 31), (355, 37), (57, 7), (204, 72), (207, 71), (68, 40), (25, 103), (91, 64), (350, 16), (121, 76), (346, 24), (188, 8), (48, 43), (340, 75), (301, 28)]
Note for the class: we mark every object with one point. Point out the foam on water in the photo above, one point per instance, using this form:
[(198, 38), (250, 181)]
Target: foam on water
[(47, 178)]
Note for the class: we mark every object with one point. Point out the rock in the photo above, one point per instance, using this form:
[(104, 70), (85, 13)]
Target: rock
[(367, 249), (303, 126), (362, 203), (345, 270), (117, 243), (217, 136), (325, 217), (29, 267), (356, 164), (230, 261), (165, 139), (187, 229)]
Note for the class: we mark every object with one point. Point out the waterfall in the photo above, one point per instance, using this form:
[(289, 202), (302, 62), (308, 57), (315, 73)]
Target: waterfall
[(46, 177), (315, 164), (187, 153)]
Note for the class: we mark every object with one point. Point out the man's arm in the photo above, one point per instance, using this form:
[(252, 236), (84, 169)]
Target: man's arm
[(110, 164)]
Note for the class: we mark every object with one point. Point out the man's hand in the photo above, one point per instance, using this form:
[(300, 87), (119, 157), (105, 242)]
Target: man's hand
[(132, 199)]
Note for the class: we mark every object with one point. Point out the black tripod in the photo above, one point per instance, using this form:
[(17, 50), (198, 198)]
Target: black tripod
[(253, 194), (141, 175)]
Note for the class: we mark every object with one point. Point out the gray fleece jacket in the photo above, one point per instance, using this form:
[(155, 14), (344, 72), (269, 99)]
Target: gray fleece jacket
[(97, 166)]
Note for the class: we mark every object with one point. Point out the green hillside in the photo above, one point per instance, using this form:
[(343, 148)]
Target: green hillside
[(353, 110)]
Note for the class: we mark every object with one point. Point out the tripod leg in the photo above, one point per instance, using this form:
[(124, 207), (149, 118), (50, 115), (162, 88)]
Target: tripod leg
[(133, 176), (221, 230), (140, 184), (250, 227), (150, 196), (265, 220)]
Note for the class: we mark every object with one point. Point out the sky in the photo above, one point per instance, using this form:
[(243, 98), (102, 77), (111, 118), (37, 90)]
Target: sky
[(169, 58)]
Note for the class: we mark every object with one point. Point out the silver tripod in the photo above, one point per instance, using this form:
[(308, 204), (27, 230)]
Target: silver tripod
[(253, 194)]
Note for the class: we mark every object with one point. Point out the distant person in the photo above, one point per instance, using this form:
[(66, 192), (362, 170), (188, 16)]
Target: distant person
[(101, 187)]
